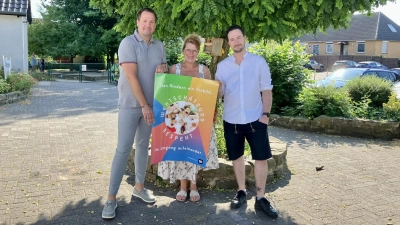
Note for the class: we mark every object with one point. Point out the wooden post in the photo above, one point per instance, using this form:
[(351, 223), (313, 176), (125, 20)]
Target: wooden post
[(216, 59)]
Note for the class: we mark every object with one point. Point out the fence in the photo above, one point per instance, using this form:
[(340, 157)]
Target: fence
[(329, 60), (80, 71)]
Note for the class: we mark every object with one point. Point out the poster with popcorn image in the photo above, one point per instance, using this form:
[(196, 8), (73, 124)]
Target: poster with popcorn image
[(183, 110)]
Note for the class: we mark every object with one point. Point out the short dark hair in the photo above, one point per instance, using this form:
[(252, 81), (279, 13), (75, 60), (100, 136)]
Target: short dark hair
[(139, 14), (234, 27)]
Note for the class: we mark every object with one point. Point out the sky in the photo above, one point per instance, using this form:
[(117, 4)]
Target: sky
[(391, 10)]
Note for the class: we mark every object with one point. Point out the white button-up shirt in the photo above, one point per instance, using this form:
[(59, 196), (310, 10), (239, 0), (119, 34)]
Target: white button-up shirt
[(242, 85)]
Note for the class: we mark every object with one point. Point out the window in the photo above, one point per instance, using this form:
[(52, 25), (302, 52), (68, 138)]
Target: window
[(315, 49), (329, 47), (391, 27), (386, 76), (384, 47), (361, 47)]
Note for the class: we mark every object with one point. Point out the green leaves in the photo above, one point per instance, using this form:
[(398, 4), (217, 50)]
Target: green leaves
[(372, 87), (286, 62), (72, 28), (274, 19)]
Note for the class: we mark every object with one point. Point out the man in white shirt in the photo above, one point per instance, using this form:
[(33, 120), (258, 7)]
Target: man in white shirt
[(243, 76)]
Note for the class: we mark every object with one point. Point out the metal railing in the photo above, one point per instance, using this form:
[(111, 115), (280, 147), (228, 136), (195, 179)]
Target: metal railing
[(75, 69)]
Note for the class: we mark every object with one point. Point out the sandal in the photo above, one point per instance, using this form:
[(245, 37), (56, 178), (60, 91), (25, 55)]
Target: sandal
[(181, 196), (194, 193)]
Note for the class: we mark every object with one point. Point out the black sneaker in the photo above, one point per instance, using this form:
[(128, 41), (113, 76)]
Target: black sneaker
[(264, 206), (238, 200)]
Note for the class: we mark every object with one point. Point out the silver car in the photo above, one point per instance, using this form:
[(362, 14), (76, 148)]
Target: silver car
[(317, 66)]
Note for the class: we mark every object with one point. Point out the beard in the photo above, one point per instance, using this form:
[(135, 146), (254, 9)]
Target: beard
[(239, 49)]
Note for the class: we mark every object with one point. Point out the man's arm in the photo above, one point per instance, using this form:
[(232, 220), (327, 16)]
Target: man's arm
[(267, 104), (131, 74), (218, 78), (220, 89)]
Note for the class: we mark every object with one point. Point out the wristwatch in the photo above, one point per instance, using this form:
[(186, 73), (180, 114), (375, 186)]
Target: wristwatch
[(266, 113)]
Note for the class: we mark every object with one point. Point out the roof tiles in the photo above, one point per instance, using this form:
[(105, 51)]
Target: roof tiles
[(14, 7), (361, 28)]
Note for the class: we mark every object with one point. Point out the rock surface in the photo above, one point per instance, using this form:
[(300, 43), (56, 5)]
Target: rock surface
[(341, 126), (224, 177)]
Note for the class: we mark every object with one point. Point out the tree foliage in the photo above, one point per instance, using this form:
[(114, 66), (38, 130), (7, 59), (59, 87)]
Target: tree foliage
[(69, 28), (288, 75), (274, 19)]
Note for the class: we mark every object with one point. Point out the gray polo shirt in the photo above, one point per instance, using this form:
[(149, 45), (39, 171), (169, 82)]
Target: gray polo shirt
[(133, 49)]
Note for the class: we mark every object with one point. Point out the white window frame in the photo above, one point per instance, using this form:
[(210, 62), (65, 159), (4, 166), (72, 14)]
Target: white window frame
[(329, 44), (385, 45), (361, 42)]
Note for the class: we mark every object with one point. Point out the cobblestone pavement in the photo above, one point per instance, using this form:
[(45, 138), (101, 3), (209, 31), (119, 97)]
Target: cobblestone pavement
[(56, 149)]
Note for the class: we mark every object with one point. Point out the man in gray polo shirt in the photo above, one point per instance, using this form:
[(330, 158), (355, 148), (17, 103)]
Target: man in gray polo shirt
[(140, 57)]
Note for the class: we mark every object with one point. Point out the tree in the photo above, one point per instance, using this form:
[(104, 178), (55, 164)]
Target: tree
[(70, 28), (54, 39), (274, 19)]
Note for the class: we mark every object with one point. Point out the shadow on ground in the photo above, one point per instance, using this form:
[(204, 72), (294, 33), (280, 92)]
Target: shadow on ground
[(213, 208)]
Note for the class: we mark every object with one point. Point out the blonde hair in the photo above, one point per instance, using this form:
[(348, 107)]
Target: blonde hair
[(192, 39)]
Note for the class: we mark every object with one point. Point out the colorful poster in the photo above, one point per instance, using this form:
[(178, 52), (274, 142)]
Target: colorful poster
[(183, 110)]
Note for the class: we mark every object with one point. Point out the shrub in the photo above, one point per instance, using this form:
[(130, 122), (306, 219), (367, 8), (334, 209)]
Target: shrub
[(286, 62), (173, 49), (372, 87), (4, 86), (219, 131), (1, 72), (361, 109), (204, 58), (42, 76), (330, 101), (391, 109), (20, 82)]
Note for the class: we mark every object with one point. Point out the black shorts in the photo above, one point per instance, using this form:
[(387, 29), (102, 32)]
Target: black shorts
[(256, 134)]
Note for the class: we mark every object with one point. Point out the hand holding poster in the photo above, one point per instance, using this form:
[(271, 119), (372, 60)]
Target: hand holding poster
[(183, 110)]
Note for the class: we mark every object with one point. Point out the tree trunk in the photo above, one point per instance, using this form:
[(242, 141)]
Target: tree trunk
[(108, 60), (71, 61), (112, 56), (216, 59)]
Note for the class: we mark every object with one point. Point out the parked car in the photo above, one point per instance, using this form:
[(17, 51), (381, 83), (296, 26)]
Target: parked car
[(308, 66), (340, 77), (382, 73), (316, 66), (370, 64), (397, 70), (343, 64)]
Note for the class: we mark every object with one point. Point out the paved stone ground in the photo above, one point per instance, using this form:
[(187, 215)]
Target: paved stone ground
[(56, 149)]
